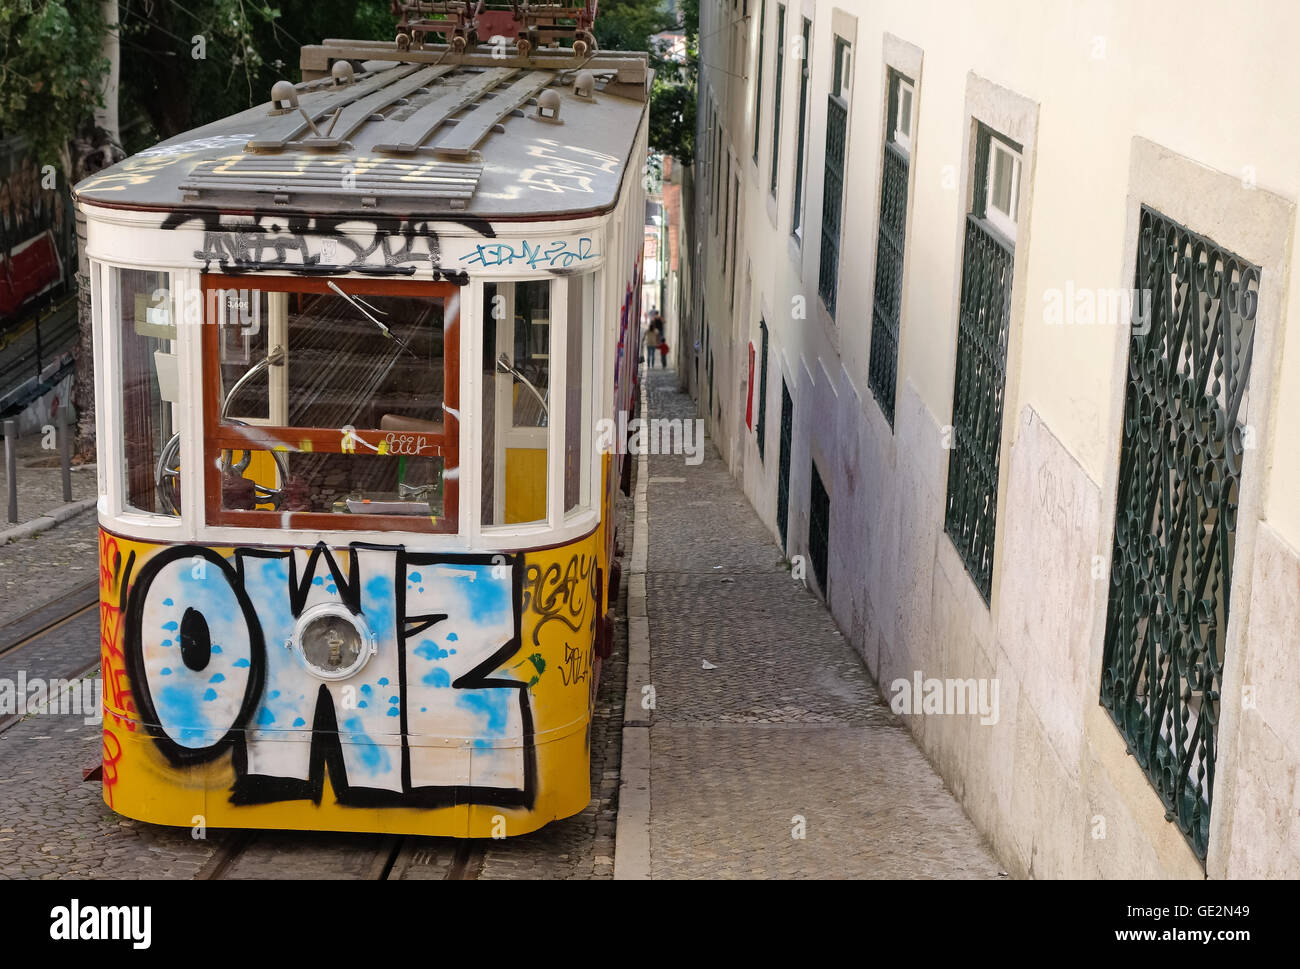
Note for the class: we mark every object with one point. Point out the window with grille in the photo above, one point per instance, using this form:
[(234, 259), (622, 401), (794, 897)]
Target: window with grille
[(837, 124), (718, 184), (796, 227), (783, 470), (758, 74), (1176, 511), (735, 236), (710, 381), (778, 95), (728, 197), (713, 158), (983, 327), (761, 427), (887, 295), (819, 528)]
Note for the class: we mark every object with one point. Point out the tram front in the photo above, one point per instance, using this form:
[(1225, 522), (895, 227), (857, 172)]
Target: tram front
[(355, 526)]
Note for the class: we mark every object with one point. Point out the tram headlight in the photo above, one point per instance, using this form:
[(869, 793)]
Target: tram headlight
[(331, 642)]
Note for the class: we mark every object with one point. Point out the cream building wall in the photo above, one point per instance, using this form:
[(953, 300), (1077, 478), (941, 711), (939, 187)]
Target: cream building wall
[(1111, 114)]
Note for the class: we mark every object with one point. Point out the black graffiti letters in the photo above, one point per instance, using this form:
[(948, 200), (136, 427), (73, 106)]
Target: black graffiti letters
[(323, 246), (560, 594)]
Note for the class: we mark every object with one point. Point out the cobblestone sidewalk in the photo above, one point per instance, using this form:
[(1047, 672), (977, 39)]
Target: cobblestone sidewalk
[(43, 567), (772, 754), (40, 480)]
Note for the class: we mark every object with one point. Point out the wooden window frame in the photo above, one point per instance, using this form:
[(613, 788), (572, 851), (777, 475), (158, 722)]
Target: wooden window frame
[(217, 436)]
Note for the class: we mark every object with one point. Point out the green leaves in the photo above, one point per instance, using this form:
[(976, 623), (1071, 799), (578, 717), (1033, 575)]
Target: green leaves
[(51, 71), (672, 119), (631, 25), (247, 45)]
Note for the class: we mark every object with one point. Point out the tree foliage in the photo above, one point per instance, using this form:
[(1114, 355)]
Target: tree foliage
[(186, 63), (51, 71), (629, 24), (672, 120), (632, 25)]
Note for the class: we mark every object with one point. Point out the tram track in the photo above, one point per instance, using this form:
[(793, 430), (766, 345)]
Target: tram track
[(389, 858), (48, 616), (38, 624), (362, 857)]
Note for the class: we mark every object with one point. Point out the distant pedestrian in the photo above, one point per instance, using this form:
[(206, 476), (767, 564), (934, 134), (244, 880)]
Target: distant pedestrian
[(653, 337), (663, 354)]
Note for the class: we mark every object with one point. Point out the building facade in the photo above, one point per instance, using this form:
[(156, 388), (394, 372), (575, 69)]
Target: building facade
[(987, 306)]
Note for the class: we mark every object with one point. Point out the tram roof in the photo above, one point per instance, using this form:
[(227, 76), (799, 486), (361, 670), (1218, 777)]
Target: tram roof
[(428, 133)]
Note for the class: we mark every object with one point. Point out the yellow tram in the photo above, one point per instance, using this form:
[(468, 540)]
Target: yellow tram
[(353, 350)]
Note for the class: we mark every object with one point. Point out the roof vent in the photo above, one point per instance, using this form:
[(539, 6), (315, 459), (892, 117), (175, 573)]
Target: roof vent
[(342, 73), (584, 85), (284, 97), (548, 106)]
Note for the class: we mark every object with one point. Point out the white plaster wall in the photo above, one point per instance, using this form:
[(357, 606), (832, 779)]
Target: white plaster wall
[(1114, 118)]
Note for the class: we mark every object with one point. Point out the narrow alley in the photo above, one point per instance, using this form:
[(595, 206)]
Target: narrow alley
[(772, 754)]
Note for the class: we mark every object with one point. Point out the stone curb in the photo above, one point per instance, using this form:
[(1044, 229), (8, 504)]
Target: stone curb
[(47, 521), (632, 834)]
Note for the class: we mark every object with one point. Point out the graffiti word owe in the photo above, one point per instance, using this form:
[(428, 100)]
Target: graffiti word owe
[(560, 254), (228, 657)]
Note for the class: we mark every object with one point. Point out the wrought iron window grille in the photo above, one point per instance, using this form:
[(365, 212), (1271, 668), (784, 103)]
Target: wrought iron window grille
[(979, 381), (783, 469), (1176, 512), (761, 426), (796, 222), (819, 528), (887, 294), (758, 75), (837, 125), (837, 120), (777, 97)]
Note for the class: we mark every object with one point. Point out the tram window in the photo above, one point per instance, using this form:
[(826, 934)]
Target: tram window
[(578, 426), (370, 362), (329, 400), (516, 401), (142, 301), (244, 319)]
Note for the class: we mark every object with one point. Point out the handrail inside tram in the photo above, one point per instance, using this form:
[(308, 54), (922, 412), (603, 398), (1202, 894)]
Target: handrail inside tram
[(505, 366), (273, 359)]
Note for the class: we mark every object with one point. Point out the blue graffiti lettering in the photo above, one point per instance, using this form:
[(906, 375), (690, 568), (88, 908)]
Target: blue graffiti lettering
[(552, 255)]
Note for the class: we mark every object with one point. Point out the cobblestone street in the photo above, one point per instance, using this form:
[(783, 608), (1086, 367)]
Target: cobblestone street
[(766, 724), (55, 825), (766, 727), (40, 478)]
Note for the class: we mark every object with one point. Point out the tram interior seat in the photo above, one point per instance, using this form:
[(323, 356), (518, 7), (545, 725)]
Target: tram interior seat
[(401, 422)]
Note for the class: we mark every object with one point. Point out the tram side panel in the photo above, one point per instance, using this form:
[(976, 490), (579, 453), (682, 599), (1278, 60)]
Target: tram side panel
[(471, 718)]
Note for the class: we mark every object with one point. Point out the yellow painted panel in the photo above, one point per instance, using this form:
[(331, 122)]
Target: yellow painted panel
[(525, 485), (262, 470), (236, 747)]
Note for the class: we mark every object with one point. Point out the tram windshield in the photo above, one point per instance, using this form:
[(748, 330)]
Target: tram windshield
[(330, 401)]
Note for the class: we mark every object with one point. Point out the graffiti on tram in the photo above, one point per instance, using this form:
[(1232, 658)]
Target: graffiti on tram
[(323, 245), (403, 675)]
